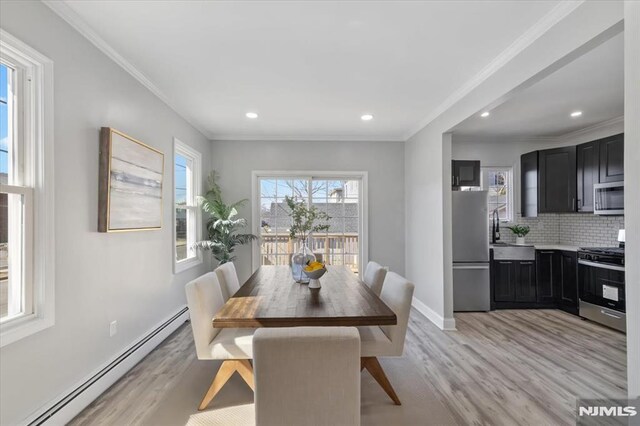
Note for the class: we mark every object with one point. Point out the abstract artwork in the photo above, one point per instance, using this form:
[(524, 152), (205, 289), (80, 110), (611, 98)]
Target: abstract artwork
[(130, 192)]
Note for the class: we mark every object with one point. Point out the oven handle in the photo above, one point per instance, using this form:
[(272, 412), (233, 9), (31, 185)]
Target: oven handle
[(603, 312), (601, 265)]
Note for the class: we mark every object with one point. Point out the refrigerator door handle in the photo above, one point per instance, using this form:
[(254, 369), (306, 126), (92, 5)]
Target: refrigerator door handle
[(483, 266)]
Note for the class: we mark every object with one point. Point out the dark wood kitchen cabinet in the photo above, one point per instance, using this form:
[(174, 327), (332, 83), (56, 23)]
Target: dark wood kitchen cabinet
[(529, 184), (557, 180), (504, 280), (569, 281), (588, 174), (612, 158), (525, 281), (548, 275), (514, 281), (465, 173)]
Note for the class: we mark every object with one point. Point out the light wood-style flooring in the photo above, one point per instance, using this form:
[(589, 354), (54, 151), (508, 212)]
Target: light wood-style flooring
[(500, 368)]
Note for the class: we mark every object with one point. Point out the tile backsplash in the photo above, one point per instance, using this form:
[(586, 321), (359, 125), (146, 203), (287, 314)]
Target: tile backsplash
[(574, 229)]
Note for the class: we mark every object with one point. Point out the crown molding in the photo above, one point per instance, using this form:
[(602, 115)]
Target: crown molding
[(555, 15), (592, 128), (62, 9), (307, 138)]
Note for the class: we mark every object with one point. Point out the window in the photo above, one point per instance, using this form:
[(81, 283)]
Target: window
[(187, 178), (341, 197), (499, 182), (26, 191)]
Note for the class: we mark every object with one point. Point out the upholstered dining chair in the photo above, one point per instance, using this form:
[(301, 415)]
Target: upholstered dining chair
[(233, 346), (374, 277), (228, 278), (387, 340), (307, 376)]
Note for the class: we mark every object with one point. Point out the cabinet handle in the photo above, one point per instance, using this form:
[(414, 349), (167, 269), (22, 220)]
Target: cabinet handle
[(505, 263), (547, 252), (573, 204), (457, 180), (526, 263), (609, 315)]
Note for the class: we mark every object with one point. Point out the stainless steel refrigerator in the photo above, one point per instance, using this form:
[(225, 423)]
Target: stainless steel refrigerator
[(471, 282)]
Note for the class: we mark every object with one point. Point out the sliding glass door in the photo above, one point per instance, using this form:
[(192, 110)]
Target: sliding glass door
[(341, 197)]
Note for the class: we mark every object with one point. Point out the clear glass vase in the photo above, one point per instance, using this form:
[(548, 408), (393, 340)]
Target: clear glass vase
[(299, 261)]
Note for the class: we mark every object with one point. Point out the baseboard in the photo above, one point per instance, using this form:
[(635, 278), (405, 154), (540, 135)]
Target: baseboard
[(67, 405), (446, 324)]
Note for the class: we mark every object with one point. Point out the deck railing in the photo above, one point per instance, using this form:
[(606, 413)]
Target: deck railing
[(334, 249)]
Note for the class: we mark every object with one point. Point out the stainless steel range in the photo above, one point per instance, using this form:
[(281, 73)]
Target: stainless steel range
[(601, 285)]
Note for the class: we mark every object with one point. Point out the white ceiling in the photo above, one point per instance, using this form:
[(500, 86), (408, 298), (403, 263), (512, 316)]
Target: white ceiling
[(309, 69), (593, 84)]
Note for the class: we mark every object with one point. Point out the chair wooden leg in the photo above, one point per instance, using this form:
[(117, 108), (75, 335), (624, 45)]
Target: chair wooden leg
[(375, 369), (245, 369), (228, 367)]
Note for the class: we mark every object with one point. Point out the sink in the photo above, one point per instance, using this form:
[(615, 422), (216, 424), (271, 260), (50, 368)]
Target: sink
[(506, 251)]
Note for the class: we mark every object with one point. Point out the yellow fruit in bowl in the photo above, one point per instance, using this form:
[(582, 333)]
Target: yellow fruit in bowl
[(314, 266)]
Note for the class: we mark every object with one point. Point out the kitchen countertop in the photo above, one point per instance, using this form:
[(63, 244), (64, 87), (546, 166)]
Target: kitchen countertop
[(550, 247)]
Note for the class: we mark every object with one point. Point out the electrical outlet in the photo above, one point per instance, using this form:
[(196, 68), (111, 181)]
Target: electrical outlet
[(113, 328)]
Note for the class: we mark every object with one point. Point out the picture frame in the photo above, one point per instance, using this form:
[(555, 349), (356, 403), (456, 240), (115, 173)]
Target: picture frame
[(131, 178)]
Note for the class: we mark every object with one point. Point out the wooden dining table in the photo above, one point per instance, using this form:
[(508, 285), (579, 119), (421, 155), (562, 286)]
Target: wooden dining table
[(271, 298)]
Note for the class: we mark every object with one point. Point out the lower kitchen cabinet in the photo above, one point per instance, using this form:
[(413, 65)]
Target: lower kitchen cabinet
[(525, 281), (548, 282), (569, 281), (513, 282), (548, 276), (504, 280)]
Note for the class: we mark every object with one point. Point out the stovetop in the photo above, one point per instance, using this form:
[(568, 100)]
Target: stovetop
[(610, 251)]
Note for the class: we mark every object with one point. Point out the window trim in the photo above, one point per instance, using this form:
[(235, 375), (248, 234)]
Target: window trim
[(363, 231), (195, 156), (38, 127), (512, 186)]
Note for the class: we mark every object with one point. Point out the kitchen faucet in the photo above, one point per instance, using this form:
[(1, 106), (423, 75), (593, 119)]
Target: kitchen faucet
[(495, 226)]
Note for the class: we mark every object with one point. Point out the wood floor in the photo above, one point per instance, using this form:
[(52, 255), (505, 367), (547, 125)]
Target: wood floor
[(500, 368)]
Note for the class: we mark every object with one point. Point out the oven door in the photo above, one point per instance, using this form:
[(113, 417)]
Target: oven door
[(608, 198), (602, 284)]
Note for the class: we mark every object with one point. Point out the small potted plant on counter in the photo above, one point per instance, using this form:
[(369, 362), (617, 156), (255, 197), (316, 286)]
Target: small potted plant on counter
[(521, 231)]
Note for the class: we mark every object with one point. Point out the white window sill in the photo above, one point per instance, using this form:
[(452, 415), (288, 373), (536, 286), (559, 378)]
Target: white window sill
[(21, 327), (185, 264)]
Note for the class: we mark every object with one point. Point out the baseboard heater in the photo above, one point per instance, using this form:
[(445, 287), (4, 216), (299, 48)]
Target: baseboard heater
[(93, 379)]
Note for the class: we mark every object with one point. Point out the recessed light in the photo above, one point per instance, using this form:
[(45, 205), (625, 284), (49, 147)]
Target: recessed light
[(575, 114), (367, 117), (251, 115), (485, 114)]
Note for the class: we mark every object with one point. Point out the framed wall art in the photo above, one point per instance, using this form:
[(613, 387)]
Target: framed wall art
[(130, 184)]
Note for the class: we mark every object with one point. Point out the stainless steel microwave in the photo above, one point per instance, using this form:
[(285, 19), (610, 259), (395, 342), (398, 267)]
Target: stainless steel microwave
[(608, 198)]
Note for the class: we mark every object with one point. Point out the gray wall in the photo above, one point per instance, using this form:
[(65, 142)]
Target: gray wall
[(99, 277), (384, 162)]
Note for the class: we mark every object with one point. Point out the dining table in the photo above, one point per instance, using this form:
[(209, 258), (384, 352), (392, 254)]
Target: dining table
[(272, 298)]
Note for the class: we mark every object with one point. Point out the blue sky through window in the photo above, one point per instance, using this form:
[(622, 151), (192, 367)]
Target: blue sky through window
[(4, 120), (180, 171)]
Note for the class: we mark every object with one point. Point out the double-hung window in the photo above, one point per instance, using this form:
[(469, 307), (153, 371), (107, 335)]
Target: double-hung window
[(498, 181), (187, 178), (26, 191), (342, 196)]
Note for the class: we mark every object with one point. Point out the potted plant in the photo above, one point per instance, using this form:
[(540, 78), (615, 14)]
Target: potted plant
[(303, 225), (520, 231), (223, 225)]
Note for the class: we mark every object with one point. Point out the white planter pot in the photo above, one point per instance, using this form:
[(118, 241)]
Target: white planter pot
[(520, 241)]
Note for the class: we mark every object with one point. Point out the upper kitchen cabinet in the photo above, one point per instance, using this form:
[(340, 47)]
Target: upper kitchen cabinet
[(529, 184), (588, 174), (465, 173), (557, 180), (612, 159)]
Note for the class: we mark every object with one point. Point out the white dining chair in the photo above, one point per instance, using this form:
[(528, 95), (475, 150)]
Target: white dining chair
[(228, 278), (307, 376), (231, 345), (388, 340), (374, 277)]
